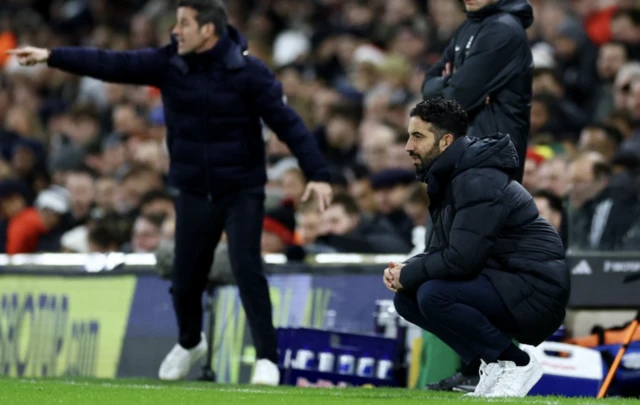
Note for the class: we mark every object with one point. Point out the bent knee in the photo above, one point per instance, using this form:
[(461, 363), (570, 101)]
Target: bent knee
[(432, 296)]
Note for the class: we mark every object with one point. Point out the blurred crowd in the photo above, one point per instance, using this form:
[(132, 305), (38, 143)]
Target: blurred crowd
[(83, 163)]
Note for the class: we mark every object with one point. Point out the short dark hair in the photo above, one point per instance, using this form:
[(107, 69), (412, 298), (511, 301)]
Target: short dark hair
[(446, 116), (103, 235), (602, 170), (610, 132), (631, 13), (555, 202), (154, 195), (547, 71), (209, 11), (347, 202), (620, 44)]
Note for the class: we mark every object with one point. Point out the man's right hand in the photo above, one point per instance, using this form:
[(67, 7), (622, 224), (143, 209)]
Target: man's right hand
[(29, 55), (387, 277)]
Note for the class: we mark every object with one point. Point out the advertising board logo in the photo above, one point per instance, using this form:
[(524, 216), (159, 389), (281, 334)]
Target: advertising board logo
[(582, 268), (38, 337), (621, 266)]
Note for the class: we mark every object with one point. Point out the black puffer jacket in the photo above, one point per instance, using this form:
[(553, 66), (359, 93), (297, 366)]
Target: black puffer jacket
[(491, 56), (485, 222)]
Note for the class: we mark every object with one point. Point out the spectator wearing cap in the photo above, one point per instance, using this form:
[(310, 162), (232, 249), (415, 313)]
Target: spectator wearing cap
[(347, 229), (390, 192)]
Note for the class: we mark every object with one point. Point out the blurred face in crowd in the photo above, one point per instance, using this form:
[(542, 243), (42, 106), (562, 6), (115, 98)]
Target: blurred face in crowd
[(553, 176), (82, 193), (336, 220), (159, 207), (611, 57), (190, 35), (11, 205), (142, 32), (475, 5), (271, 243), (554, 217), (540, 116), (341, 132), (583, 184), (424, 144), (623, 29), (546, 83), (146, 236), (105, 193), (309, 226), (375, 147), (596, 140), (633, 100), (362, 192), (390, 199)]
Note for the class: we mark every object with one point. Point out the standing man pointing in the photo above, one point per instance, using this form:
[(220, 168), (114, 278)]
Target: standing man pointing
[(214, 96), (488, 69)]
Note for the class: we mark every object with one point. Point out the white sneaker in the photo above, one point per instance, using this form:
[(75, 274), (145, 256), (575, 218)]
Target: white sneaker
[(516, 381), (179, 361), (489, 374), (266, 373)]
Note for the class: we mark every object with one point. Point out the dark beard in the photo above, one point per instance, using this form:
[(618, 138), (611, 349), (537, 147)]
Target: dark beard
[(426, 161)]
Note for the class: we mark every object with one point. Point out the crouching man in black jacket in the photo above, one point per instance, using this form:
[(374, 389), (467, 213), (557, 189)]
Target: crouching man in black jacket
[(494, 270)]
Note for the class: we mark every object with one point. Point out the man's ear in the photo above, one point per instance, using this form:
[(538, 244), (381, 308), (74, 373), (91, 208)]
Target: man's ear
[(208, 30), (446, 141)]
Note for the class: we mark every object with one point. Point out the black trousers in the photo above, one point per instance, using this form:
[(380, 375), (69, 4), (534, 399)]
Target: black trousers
[(469, 316), (199, 226)]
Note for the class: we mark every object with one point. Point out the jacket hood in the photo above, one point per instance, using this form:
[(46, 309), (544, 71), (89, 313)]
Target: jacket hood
[(521, 9), (493, 151), (235, 36)]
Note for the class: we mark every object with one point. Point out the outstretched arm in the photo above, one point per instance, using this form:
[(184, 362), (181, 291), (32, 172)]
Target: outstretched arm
[(141, 67)]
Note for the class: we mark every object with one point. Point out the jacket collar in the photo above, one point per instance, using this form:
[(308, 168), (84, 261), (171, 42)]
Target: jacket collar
[(439, 174)]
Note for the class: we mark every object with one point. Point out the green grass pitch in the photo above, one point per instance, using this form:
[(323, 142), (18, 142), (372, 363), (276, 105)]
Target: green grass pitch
[(142, 392)]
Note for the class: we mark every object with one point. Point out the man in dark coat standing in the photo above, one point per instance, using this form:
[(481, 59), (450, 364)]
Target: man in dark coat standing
[(494, 270), (488, 69), (214, 97)]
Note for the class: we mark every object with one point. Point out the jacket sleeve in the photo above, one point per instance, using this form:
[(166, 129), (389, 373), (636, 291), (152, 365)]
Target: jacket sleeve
[(491, 62), (285, 122), (141, 67), (479, 216), (434, 83)]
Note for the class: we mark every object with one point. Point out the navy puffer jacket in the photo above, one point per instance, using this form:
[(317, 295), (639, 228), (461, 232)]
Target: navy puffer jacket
[(213, 103)]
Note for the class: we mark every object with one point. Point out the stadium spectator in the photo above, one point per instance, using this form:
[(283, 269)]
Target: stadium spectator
[(487, 67), (599, 212), (346, 229)]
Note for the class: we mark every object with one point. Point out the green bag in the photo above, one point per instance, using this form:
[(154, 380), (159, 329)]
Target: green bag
[(437, 361)]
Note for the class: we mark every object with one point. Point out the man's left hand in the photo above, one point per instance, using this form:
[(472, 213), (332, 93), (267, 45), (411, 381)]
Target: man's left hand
[(323, 192), (392, 276)]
